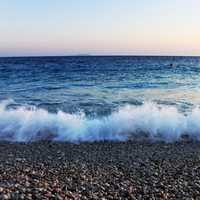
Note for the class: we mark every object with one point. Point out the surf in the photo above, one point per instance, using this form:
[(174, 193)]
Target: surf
[(149, 120)]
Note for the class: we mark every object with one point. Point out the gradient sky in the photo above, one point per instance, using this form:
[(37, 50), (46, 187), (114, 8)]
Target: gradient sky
[(65, 27)]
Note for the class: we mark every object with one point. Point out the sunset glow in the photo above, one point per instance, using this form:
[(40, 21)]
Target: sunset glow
[(110, 27)]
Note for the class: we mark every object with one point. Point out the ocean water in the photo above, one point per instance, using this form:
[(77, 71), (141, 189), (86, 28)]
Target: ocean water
[(93, 98)]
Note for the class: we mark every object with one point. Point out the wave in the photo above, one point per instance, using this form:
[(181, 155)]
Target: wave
[(156, 122)]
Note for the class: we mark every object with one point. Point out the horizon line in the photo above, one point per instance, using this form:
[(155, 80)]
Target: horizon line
[(98, 55)]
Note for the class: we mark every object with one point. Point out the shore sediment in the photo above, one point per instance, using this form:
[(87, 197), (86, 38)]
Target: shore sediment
[(100, 170)]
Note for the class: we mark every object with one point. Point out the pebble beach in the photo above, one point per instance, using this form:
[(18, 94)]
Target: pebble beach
[(100, 170)]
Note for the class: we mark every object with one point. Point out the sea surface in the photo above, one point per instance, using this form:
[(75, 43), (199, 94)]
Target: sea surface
[(89, 98)]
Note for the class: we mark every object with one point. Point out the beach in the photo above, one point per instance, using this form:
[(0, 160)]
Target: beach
[(100, 170), (100, 100)]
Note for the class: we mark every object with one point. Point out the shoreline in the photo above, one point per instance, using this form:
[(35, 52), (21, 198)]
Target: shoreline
[(99, 170)]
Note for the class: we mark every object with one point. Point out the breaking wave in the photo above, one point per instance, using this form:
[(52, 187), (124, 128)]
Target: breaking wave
[(149, 120)]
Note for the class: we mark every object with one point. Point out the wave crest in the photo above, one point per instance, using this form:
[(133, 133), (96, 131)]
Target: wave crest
[(150, 120)]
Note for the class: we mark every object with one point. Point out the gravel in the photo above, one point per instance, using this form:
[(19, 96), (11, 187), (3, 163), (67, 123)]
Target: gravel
[(100, 170)]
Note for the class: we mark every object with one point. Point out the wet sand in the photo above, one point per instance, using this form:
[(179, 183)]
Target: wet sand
[(100, 170)]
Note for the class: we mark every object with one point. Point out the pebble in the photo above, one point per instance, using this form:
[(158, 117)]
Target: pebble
[(99, 170)]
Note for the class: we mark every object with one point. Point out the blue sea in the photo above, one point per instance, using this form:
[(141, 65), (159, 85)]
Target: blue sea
[(93, 98)]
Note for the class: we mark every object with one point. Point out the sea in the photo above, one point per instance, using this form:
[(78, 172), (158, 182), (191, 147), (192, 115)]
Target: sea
[(99, 98)]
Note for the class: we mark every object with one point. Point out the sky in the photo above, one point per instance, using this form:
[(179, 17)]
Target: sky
[(99, 27)]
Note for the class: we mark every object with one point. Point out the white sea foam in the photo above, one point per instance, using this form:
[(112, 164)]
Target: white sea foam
[(156, 122)]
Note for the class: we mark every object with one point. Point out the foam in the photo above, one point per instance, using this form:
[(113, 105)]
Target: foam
[(156, 122)]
